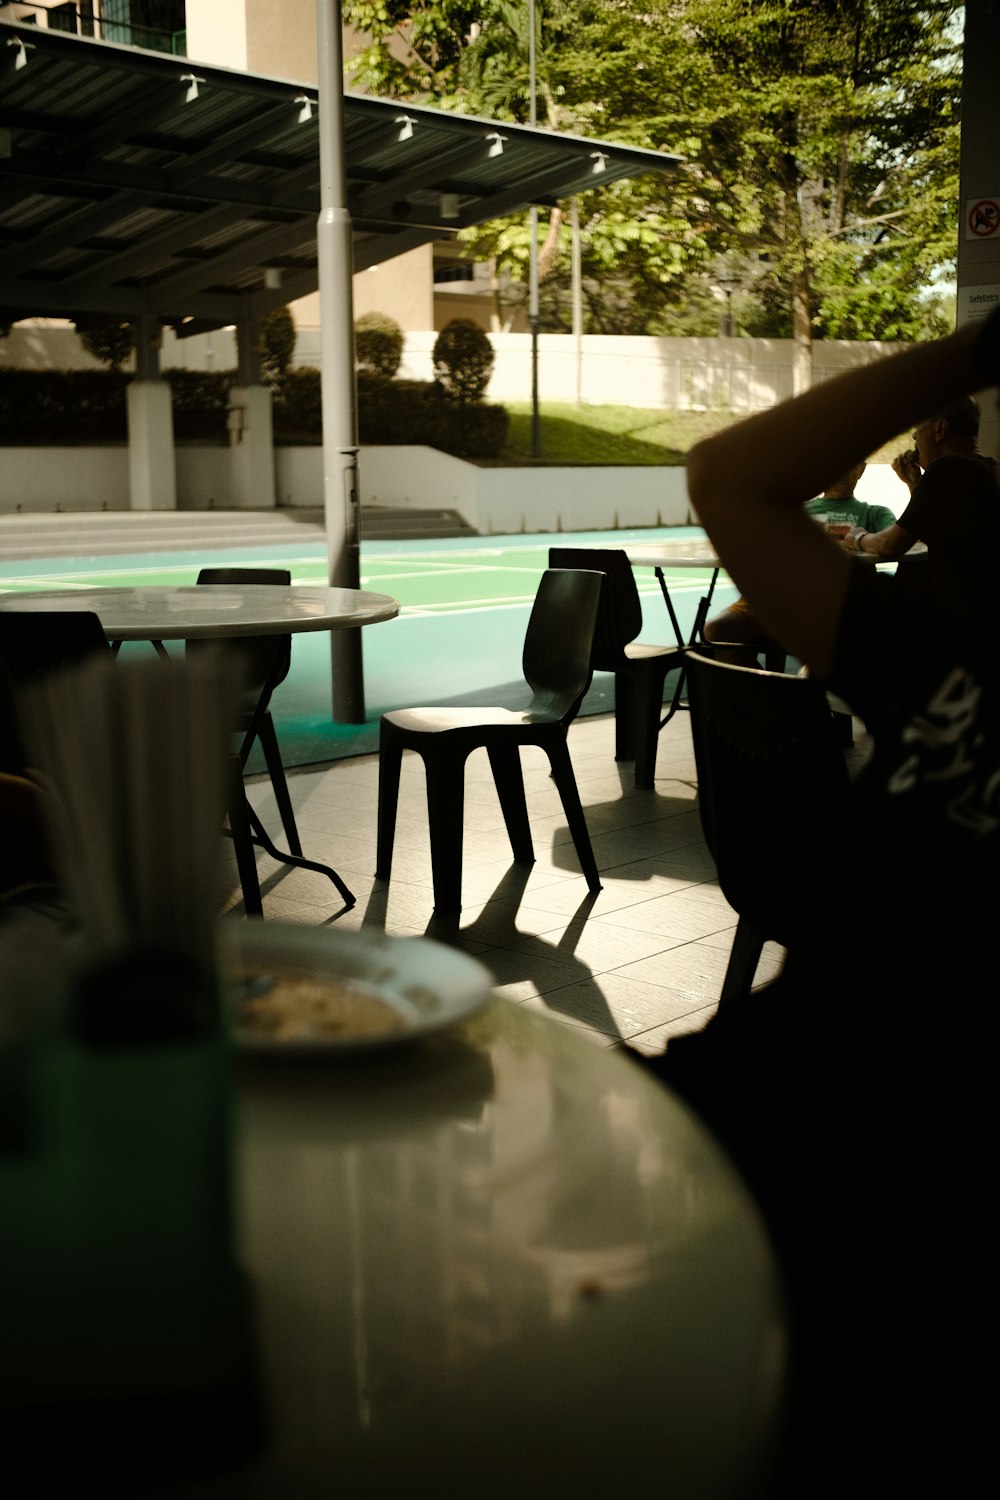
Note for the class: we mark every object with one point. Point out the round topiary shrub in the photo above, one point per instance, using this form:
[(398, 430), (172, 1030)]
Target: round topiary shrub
[(378, 344), (463, 360), (278, 336)]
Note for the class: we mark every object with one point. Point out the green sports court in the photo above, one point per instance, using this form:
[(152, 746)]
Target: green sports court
[(464, 605)]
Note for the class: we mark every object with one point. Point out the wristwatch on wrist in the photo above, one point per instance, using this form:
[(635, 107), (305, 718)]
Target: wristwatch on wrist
[(859, 537)]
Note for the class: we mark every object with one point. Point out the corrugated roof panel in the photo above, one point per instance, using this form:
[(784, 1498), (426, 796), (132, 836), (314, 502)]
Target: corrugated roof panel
[(113, 179)]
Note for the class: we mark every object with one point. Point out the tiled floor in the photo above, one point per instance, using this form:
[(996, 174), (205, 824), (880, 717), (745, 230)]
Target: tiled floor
[(642, 960)]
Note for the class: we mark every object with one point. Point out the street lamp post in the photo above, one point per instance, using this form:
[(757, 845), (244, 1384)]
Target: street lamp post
[(536, 426)]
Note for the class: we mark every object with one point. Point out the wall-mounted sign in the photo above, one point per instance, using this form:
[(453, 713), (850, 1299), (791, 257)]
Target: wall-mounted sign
[(982, 218), (974, 302)]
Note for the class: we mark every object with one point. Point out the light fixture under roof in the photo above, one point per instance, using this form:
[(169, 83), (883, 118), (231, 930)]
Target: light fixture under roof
[(496, 143), (600, 160), (21, 60), (306, 108), (449, 206), (406, 124), (272, 278), (192, 80)]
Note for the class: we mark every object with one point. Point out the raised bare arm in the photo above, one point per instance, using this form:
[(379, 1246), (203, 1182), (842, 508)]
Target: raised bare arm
[(748, 483)]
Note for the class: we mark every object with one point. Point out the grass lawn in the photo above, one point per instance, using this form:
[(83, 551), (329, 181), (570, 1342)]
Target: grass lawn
[(621, 434), (608, 434)]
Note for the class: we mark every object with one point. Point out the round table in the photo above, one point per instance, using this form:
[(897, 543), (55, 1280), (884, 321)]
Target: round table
[(501, 1261), (220, 612), (196, 613)]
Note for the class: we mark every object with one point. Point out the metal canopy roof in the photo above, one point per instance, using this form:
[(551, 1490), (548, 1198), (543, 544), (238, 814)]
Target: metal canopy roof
[(133, 182)]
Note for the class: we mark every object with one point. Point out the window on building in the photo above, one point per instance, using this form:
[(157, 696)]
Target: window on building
[(144, 23), (63, 18)]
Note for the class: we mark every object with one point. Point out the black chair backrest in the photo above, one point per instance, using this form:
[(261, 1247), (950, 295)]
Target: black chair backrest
[(772, 789), (619, 618), (36, 642), (33, 644), (913, 575), (256, 653), (558, 642)]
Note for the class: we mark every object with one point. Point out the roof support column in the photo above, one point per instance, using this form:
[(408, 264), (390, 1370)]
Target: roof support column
[(341, 487), (152, 469), (249, 422), (979, 193)]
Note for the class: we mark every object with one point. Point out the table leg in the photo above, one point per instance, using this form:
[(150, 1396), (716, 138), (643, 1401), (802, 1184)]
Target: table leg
[(670, 607), (261, 837), (245, 824), (700, 616)]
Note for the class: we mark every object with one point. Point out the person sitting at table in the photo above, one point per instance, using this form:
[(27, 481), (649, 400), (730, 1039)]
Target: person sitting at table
[(954, 504), (855, 1092), (844, 516)]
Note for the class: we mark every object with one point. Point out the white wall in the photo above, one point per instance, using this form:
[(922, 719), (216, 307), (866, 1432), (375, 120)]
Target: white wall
[(50, 479), (217, 32), (655, 374), (493, 501)]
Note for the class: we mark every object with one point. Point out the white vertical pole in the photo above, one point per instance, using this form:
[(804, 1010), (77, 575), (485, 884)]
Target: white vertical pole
[(341, 487), (536, 426), (577, 299)]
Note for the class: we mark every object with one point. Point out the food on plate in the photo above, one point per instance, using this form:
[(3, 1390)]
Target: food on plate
[(293, 1005)]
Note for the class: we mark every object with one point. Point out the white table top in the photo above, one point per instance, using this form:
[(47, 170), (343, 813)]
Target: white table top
[(698, 553), (158, 613), (701, 554), (501, 1261)]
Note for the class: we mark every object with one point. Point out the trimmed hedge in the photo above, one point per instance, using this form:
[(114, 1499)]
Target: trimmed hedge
[(63, 407), (200, 398), (417, 411)]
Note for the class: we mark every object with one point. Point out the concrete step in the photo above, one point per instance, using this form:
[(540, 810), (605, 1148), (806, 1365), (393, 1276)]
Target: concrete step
[(103, 533)]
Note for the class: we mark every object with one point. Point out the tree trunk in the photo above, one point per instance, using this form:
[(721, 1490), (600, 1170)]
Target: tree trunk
[(802, 348), (549, 253)]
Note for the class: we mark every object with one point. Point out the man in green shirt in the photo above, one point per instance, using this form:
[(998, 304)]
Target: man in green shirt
[(843, 515)]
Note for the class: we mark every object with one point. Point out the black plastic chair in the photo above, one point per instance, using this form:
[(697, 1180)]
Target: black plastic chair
[(772, 791), (556, 664), (33, 645), (265, 662), (640, 670)]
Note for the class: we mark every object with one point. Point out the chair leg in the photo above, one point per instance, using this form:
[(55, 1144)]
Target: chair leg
[(743, 960), (506, 765), (843, 730), (648, 690), (624, 716), (242, 836), (562, 772), (445, 817), (390, 759), (276, 771)]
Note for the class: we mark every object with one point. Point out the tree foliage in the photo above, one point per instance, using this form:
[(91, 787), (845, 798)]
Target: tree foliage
[(109, 343), (278, 337), (819, 137)]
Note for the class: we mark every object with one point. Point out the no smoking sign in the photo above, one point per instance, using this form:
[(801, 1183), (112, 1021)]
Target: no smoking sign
[(982, 218)]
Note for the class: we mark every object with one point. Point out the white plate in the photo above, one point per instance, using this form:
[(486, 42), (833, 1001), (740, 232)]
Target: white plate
[(428, 985)]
